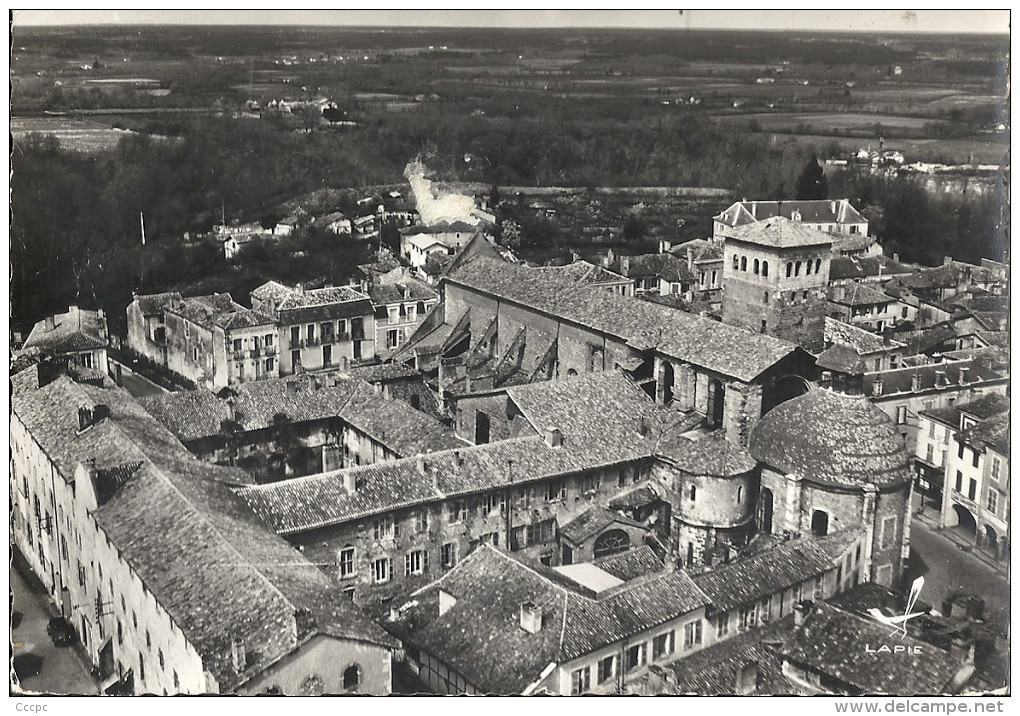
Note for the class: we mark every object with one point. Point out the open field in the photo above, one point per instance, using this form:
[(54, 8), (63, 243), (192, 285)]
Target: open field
[(74, 134)]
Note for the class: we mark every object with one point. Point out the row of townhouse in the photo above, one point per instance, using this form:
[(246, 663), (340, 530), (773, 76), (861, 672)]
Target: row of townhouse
[(158, 568), (499, 623), (214, 342), (609, 470), (962, 467), (288, 427)]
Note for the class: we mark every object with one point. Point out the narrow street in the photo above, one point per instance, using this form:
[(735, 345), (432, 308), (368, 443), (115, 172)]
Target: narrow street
[(136, 384), (42, 667), (947, 569)]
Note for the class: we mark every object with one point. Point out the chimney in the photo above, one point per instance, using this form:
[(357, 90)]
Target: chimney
[(421, 464), (962, 648), (915, 383), (664, 246), (963, 375), (625, 265), (826, 378), (446, 601), (531, 617), (690, 258), (51, 323), (85, 419), (292, 386), (610, 256), (940, 378), (876, 387), (394, 615), (458, 459), (946, 260), (237, 655), (747, 679), (896, 257), (553, 437), (832, 207), (754, 210), (350, 483), (800, 612)]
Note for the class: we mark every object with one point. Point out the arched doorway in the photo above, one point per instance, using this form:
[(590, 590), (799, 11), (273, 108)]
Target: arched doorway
[(965, 519), (765, 511), (782, 389), (992, 540), (716, 401), (611, 542), (819, 523), (352, 677), (667, 383), (481, 428)]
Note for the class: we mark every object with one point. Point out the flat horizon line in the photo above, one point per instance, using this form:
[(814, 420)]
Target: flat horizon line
[(421, 28)]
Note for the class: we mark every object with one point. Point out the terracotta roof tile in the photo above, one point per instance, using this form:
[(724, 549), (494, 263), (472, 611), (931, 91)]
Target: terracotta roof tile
[(76, 330), (830, 641), (725, 349), (480, 636), (759, 575), (832, 438)]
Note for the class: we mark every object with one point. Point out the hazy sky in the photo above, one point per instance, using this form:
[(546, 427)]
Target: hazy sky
[(837, 20)]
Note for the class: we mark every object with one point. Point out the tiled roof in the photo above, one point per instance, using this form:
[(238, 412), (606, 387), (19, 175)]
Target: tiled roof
[(635, 563), (76, 330), (830, 641), (592, 521), (598, 415), (381, 373), (991, 432), (216, 569), (323, 304), (984, 407), (423, 241), (272, 291), (708, 455), (218, 309), (701, 250), (396, 424), (830, 437), (155, 303), (842, 359), (713, 671), (634, 499), (767, 572), (858, 294), (665, 266), (779, 232), (862, 341), (585, 272), (189, 414), (725, 349), (408, 289), (822, 211), (859, 267), (480, 636), (901, 379)]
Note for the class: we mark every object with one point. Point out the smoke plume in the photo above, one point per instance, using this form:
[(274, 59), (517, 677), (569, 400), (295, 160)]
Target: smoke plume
[(436, 206)]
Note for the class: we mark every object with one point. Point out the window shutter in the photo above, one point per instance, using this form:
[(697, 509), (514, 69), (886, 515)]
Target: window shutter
[(407, 565), (425, 560), (396, 528)]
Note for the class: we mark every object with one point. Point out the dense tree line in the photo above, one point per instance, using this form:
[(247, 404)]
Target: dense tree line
[(76, 235)]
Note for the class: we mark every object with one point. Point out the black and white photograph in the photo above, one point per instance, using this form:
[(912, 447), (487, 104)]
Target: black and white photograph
[(408, 352)]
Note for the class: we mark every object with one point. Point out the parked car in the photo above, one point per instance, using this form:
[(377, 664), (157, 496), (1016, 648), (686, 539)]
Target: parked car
[(61, 632)]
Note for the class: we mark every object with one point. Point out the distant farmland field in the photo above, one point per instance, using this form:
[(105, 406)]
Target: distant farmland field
[(74, 134)]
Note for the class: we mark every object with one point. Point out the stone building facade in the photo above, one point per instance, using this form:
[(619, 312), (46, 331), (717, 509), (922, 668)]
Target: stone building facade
[(133, 540), (832, 462), (532, 325), (775, 280)]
